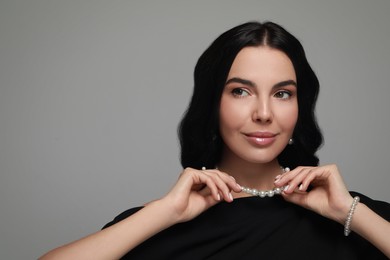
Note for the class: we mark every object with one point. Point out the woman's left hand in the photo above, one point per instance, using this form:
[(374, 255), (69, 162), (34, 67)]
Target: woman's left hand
[(326, 196)]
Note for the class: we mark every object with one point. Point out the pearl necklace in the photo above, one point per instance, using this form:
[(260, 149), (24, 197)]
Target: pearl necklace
[(264, 193)]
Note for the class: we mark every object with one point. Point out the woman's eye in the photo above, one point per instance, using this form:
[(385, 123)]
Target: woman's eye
[(240, 92), (283, 94)]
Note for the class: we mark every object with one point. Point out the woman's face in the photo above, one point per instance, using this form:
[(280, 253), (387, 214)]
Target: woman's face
[(259, 106)]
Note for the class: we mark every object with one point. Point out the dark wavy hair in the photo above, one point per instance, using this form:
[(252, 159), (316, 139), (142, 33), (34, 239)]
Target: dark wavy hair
[(201, 144)]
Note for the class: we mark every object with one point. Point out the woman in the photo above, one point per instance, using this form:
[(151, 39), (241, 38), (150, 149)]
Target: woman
[(251, 113)]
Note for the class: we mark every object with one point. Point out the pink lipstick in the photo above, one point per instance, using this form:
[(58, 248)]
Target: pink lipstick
[(261, 138)]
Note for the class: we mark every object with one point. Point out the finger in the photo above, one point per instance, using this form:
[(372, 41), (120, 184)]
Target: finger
[(228, 179), (293, 180), (298, 183), (211, 184), (284, 178), (309, 179), (194, 180), (222, 183)]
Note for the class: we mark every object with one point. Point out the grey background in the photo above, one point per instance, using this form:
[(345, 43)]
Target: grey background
[(91, 93)]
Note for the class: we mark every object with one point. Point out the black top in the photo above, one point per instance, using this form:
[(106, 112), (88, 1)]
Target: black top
[(258, 228)]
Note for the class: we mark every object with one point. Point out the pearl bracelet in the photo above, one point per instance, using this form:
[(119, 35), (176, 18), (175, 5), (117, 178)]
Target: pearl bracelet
[(347, 224)]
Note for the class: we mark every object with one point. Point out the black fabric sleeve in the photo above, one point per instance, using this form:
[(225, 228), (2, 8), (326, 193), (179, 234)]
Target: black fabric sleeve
[(380, 207), (122, 216)]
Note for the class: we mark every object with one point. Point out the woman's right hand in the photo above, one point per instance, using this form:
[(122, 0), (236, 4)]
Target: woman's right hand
[(194, 192), (197, 190)]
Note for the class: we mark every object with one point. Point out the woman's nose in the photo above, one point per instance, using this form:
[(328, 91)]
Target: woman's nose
[(262, 112)]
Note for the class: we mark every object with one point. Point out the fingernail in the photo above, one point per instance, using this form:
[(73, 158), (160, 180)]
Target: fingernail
[(238, 185), (286, 188), (300, 187), (278, 177), (231, 196), (219, 197)]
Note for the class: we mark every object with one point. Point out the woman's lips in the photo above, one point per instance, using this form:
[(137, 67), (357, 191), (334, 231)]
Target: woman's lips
[(261, 138)]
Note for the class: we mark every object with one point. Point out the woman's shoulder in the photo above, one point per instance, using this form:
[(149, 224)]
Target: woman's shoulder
[(382, 208), (122, 216)]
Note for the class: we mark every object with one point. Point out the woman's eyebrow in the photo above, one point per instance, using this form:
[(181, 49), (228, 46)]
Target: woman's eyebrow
[(241, 81), (285, 83), (252, 84)]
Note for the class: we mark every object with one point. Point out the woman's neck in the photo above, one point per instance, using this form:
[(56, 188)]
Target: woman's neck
[(260, 176)]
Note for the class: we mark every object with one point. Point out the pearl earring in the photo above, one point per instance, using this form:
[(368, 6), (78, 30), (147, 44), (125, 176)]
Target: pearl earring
[(291, 141)]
